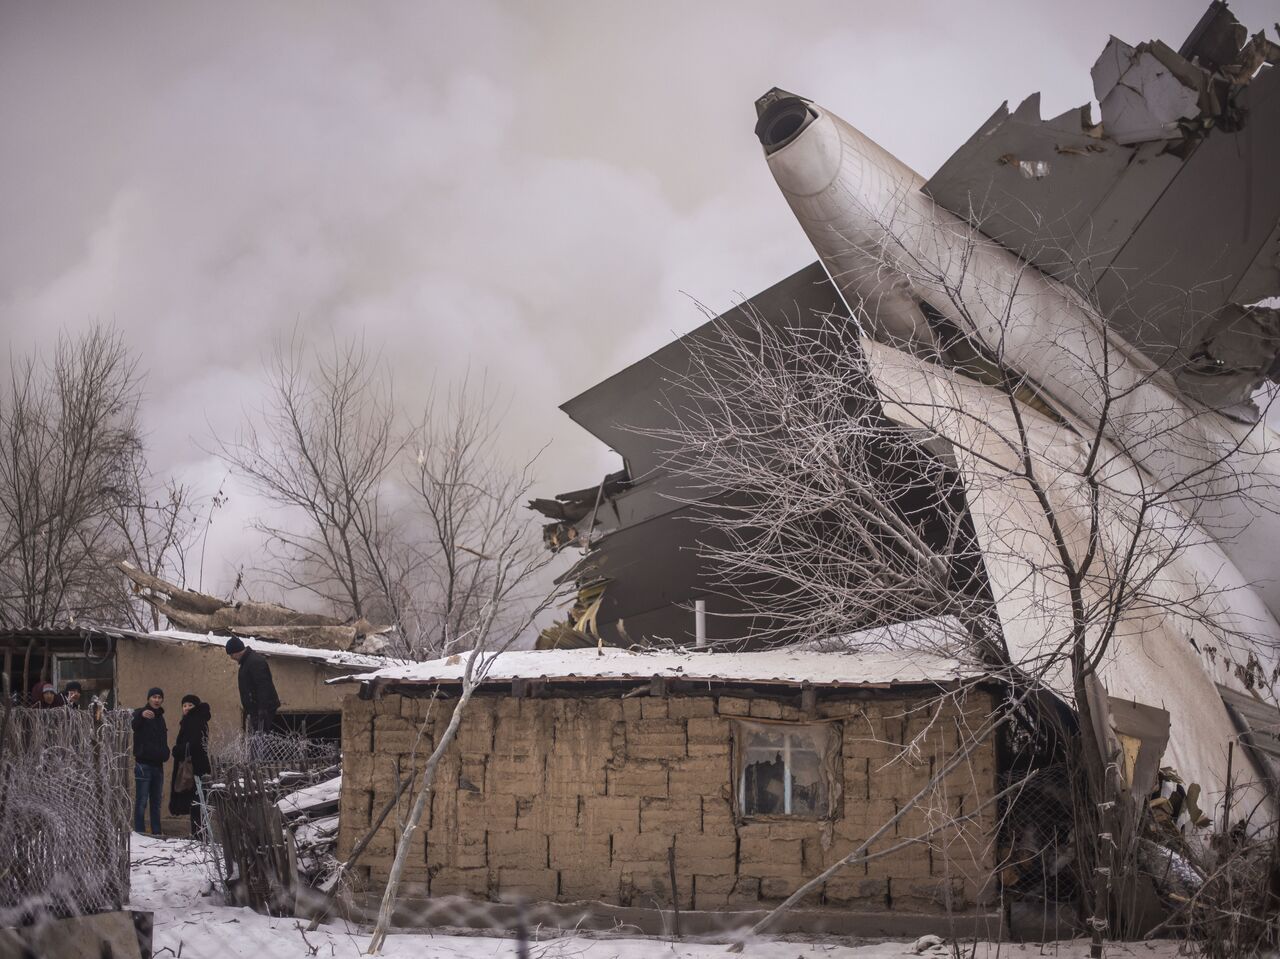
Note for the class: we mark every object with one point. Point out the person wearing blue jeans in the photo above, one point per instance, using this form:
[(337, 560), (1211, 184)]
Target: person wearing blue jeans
[(150, 753)]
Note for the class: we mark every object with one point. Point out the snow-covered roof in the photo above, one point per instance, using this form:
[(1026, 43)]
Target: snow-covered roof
[(332, 657), (790, 667), (321, 794)]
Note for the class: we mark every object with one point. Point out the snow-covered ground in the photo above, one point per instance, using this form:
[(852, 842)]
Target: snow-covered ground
[(171, 879)]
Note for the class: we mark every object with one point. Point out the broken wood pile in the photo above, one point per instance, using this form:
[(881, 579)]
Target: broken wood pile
[(258, 865), (311, 818)]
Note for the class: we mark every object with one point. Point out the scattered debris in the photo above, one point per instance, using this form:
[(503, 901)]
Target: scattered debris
[(203, 613)]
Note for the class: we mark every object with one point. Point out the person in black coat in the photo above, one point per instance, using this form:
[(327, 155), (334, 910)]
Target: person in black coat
[(73, 695), (193, 744), (258, 695), (46, 697), (150, 753)]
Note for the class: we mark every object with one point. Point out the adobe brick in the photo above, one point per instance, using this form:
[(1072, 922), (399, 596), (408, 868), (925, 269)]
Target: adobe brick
[(774, 888), (853, 888), (638, 779), (595, 883), (392, 742), (463, 856), (757, 848), (650, 847), (545, 813), (523, 850), (602, 710), (764, 709), (517, 779), (713, 855), (711, 892), (933, 895), (572, 852), (789, 828), (653, 707), (609, 814), (733, 706), (452, 881), (707, 730), (691, 707), (670, 814), (745, 891), (698, 777), (839, 709), (719, 752), (717, 817)]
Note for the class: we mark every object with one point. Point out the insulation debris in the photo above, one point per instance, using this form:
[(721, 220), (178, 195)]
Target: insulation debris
[(577, 513)]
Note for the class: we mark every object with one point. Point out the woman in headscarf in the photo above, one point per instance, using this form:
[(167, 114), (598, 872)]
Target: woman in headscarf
[(192, 745)]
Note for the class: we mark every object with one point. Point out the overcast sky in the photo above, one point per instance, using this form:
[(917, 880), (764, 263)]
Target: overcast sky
[(531, 189)]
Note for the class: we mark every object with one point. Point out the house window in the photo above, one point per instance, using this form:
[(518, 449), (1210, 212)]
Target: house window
[(94, 676), (316, 727), (787, 769)]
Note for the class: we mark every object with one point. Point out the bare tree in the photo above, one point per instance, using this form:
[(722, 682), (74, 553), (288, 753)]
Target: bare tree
[(324, 449), (460, 515), (70, 450), (491, 622), (383, 519), (845, 482), (155, 525)]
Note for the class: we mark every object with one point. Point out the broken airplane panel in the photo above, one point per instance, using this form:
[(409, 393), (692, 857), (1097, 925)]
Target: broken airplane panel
[(1150, 238), (907, 265), (1187, 149)]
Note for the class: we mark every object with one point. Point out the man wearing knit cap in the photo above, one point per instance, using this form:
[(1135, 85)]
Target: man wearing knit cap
[(150, 753), (258, 697)]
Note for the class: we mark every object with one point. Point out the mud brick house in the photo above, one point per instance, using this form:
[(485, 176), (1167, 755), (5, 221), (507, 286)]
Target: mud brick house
[(118, 666), (580, 774)]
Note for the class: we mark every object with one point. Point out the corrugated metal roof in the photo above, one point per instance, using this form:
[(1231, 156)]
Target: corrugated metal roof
[(331, 657), (790, 667)]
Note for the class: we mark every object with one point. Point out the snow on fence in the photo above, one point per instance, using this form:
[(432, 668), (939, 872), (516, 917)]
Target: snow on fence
[(65, 810), (284, 761)]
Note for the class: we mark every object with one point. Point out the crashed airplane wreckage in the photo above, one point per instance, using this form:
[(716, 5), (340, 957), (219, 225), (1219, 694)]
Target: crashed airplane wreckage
[(1139, 253), (201, 613)]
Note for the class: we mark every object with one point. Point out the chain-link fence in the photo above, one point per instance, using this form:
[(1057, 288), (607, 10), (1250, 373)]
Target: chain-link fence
[(65, 797), (284, 761)]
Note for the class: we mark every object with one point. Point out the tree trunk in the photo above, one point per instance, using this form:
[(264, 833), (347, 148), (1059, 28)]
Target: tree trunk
[(415, 817)]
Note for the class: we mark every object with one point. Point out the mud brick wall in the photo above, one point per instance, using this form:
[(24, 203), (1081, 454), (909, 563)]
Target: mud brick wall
[(566, 798)]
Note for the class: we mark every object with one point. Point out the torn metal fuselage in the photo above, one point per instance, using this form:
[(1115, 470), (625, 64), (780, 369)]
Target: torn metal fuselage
[(1166, 215)]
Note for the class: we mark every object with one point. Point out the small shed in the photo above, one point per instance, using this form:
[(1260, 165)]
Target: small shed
[(181, 662), (120, 665), (711, 781)]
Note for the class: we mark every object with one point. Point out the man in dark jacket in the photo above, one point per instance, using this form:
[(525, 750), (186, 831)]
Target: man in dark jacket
[(258, 695), (150, 753)]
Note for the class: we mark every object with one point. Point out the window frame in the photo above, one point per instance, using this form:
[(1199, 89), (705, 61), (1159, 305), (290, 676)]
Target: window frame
[(831, 768)]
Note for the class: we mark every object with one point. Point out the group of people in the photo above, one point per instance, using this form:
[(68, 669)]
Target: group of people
[(190, 752), (46, 696), (190, 755)]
